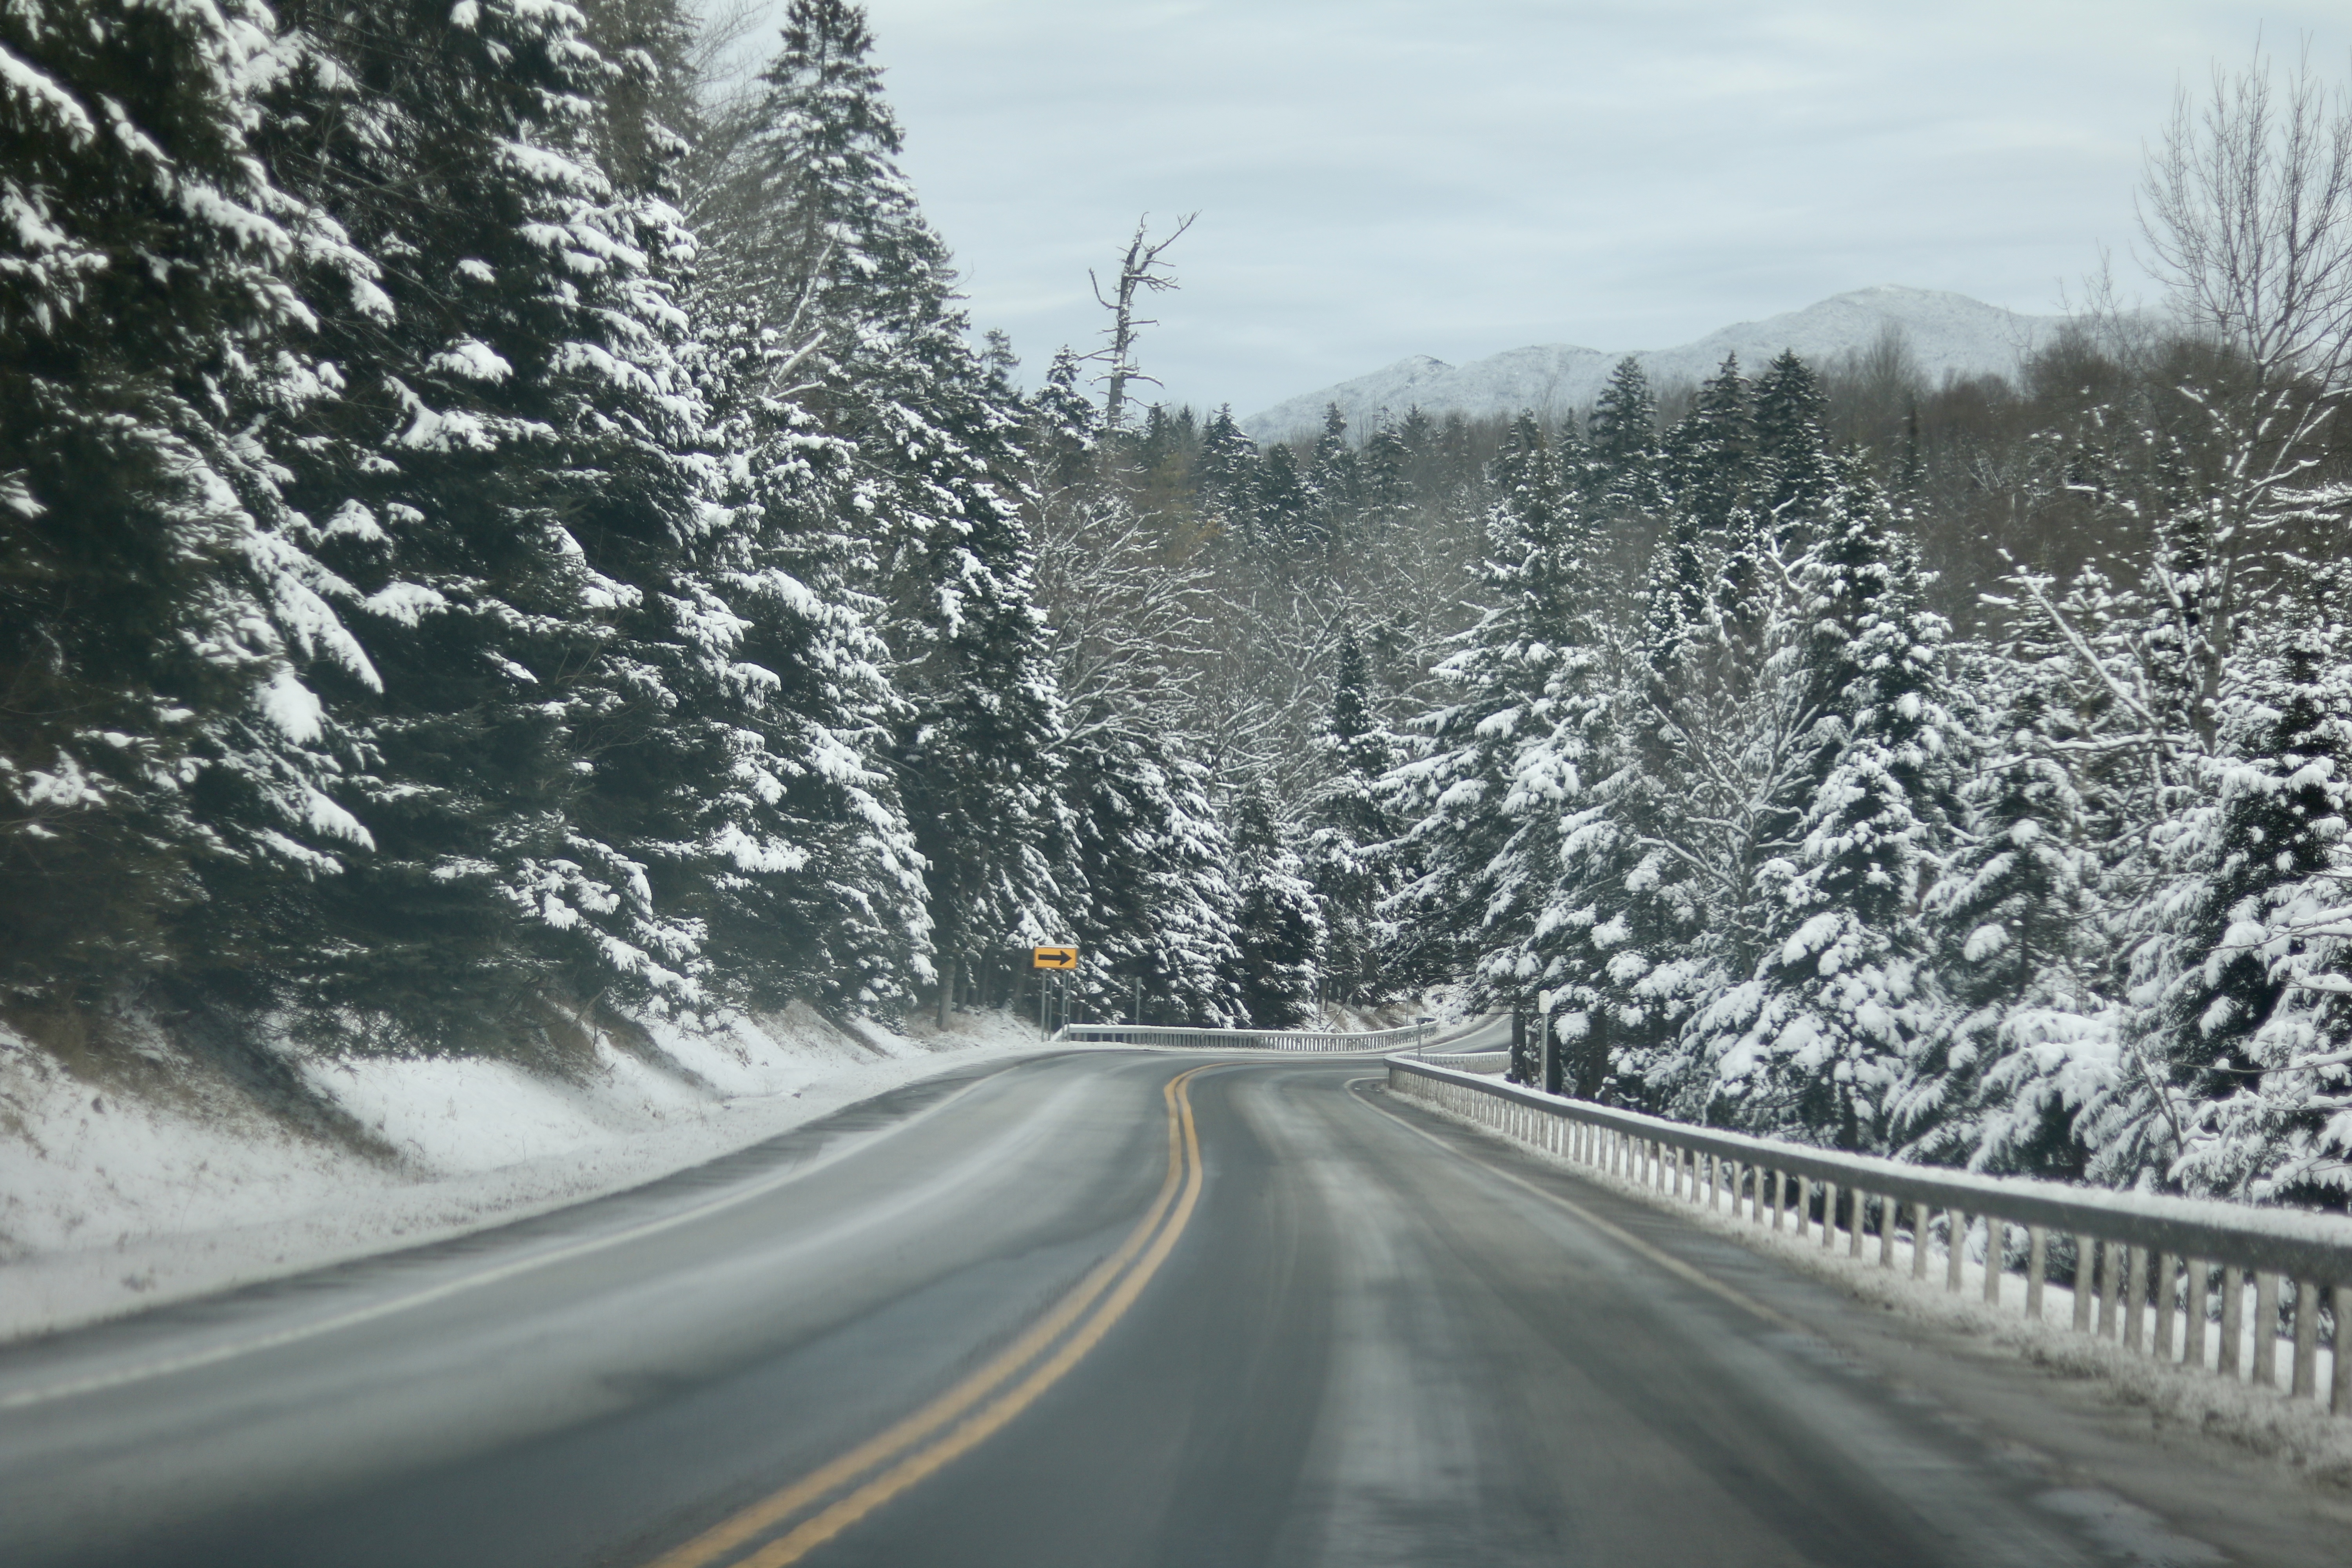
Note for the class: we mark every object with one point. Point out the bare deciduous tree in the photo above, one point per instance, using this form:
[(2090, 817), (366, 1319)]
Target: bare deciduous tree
[(2246, 210)]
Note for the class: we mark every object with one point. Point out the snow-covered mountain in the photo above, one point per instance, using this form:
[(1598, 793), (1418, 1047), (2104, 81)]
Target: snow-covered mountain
[(1947, 333)]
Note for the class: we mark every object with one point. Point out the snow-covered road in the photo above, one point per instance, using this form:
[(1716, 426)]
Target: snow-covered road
[(1087, 1309)]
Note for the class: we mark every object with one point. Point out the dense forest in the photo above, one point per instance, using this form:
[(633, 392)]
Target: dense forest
[(506, 536)]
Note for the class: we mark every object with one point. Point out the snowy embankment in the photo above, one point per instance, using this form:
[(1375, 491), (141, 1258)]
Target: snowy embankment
[(120, 1191)]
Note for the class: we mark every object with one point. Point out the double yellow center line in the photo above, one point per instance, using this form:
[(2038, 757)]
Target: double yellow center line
[(975, 1410)]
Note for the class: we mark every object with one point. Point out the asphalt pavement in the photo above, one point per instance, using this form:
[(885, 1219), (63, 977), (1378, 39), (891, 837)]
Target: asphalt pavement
[(1101, 1308)]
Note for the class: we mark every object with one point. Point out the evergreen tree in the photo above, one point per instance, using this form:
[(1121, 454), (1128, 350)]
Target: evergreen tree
[(1623, 430), (1387, 477), (165, 623), (1710, 455), (1222, 468), (1347, 850), (1334, 480), (2240, 973), (1708, 464), (1064, 426), (1814, 1043), (937, 490), (1278, 931), (1155, 862), (1795, 476), (2010, 920), (1563, 793), (507, 478), (1475, 883), (1282, 509)]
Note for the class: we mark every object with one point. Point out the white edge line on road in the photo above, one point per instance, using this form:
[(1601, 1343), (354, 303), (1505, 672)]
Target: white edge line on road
[(1665, 1260), (99, 1381)]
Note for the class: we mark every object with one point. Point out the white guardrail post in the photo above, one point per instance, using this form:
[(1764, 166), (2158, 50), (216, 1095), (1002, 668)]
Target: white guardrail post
[(2162, 1277)]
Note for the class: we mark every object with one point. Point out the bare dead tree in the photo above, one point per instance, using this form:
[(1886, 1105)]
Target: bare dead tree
[(1140, 270)]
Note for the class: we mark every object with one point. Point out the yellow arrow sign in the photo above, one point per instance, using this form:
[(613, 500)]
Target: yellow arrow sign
[(1053, 958)]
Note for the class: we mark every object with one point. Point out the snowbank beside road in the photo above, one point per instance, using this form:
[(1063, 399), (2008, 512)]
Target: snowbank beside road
[(112, 1200)]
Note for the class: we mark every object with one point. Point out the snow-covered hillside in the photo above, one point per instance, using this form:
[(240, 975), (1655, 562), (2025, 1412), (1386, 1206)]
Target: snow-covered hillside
[(1948, 334)]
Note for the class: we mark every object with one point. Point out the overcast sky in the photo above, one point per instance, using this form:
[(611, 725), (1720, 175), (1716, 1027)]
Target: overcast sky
[(1378, 179)]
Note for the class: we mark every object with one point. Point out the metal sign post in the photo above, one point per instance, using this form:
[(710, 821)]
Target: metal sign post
[(1048, 962)]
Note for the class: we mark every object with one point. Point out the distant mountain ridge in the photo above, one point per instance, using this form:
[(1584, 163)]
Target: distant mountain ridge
[(1947, 334)]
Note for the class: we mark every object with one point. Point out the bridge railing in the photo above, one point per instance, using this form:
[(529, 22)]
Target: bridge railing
[(2145, 1270), (1328, 1040)]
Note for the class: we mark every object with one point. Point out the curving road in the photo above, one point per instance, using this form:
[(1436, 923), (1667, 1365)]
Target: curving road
[(1085, 1310)]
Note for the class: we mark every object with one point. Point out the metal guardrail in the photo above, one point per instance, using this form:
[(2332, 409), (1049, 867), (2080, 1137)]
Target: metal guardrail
[(1484, 1063), (1363, 1041), (2136, 1256)]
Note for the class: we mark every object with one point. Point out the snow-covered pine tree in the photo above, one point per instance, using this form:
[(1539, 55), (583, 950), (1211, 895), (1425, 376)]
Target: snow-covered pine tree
[(1708, 464), (1795, 472), (1699, 792), (1812, 1044), (1623, 484), (1281, 518), (1480, 882), (1386, 471), (1710, 455), (2239, 1008), (2011, 921), (769, 814), (1150, 874), (1335, 481), (1348, 850), (1063, 424), (1220, 473), (820, 892), (891, 372), (1714, 746), (1561, 796), (165, 759), (1278, 925), (1156, 864), (1623, 434), (506, 476)]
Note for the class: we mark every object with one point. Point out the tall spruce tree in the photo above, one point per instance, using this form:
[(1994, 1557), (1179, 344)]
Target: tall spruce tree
[(1348, 854), (1156, 864), (1335, 479), (786, 835), (2239, 973), (1815, 1042), (165, 756), (2010, 919), (1796, 475), (1474, 882), (1710, 455), (936, 491), (507, 478), (1709, 463), (1278, 931)]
